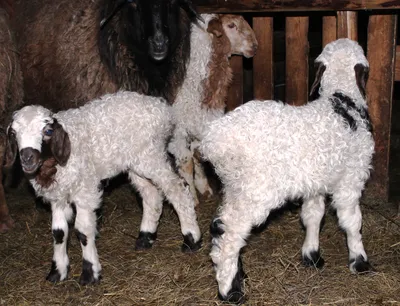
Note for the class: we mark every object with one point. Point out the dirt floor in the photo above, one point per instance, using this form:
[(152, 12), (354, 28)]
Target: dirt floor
[(165, 276)]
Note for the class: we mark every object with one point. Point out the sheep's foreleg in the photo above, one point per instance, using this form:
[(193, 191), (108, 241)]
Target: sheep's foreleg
[(152, 209), (85, 225), (312, 212), (62, 213)]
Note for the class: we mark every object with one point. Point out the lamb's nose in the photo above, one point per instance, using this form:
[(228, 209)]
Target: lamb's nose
[(26, 155)]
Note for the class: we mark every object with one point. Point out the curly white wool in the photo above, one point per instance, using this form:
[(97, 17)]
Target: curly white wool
[(267, 152), (119, 132)]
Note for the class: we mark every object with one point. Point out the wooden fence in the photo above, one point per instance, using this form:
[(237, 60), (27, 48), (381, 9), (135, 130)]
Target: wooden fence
[(340, 20)]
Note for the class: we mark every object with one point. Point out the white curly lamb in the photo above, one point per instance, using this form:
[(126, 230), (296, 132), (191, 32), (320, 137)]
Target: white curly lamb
[(202, 96), (67, 154), (267, 152)]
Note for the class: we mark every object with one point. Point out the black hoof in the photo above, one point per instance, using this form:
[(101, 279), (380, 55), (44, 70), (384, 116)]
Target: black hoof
[(87, 276), (54, 276), (315, 260), (145, 240), (189, 245), (360, 265), (236, 295), (216, 229)]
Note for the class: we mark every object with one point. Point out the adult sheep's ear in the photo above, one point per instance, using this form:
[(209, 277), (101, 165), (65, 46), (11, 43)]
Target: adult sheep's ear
[(362, 73), (318, 76), (11, 148), (60, 145), (215, 27)]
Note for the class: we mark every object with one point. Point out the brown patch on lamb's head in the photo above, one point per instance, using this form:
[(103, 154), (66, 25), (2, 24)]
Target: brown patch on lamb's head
[(231, 35)]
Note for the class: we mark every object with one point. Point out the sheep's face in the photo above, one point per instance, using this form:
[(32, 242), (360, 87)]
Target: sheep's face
[(240, 34), (38, 137)]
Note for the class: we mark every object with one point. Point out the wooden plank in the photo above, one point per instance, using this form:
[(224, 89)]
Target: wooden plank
[(347, 25), (241, 6), (397, 66), (235, 92), (381, 56), (263, 74), (296, 60), (329, 32)]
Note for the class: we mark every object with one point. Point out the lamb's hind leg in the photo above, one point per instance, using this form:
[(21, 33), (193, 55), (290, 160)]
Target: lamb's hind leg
[(86, 229), (312, 213), (152, 209), (62, 213), (348, 211), (177, 192), (200, 177)]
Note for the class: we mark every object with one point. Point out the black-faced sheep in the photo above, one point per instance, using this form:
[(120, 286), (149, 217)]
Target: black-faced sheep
[(267, 152), (202, 96), (11, 94), (68, 60), (124, 131)]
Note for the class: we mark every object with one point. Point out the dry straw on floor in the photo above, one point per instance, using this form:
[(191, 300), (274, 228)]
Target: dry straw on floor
[(165, 276)]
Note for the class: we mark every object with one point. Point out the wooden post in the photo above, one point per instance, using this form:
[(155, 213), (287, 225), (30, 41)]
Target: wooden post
[(329, 32), (263, 68), (297, 60), (381, 57), (235, 92), (347, 25)]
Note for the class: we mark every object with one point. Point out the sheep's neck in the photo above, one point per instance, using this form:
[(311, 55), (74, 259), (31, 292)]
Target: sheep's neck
[(215, 87)]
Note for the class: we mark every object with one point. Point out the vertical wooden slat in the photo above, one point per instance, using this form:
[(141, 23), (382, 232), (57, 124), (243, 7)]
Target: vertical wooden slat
[(297, 60), (235, 92), (347, 25), (263, 74), (329, 32), (397, 66), (381, 57)]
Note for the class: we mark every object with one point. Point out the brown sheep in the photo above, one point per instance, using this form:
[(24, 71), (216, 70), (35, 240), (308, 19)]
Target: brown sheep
[(11, 93)]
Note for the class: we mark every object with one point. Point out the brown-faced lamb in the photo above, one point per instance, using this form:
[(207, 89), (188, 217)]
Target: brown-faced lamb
[(203, 94)]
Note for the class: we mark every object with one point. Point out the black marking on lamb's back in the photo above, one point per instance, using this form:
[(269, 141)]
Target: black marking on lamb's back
[(81, 237), (58, 235), (342, 104), (339, 108)]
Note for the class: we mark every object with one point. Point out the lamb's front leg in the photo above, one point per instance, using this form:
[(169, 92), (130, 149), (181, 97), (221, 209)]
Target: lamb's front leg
[(61, 214), (85, 225), (200, 177)]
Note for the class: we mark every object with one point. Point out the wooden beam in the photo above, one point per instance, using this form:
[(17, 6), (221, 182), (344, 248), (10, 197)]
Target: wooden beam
[(241, 6), (263, 73), (397, 66), (381, 56), (235, 92), (297, 50), (347, 25), (329, 30)]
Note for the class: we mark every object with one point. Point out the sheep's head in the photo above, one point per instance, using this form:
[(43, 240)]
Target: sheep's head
[(341, 65), (38, 137), (239, 36)]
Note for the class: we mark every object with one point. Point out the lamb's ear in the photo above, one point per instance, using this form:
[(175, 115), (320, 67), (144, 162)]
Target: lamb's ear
[(215, 27), (318, 76), (362, 73), (11, 148), (60, 145)]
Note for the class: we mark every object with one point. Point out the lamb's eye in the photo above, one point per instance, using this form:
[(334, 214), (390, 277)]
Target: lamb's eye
[(231, 25), (48, 132)]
